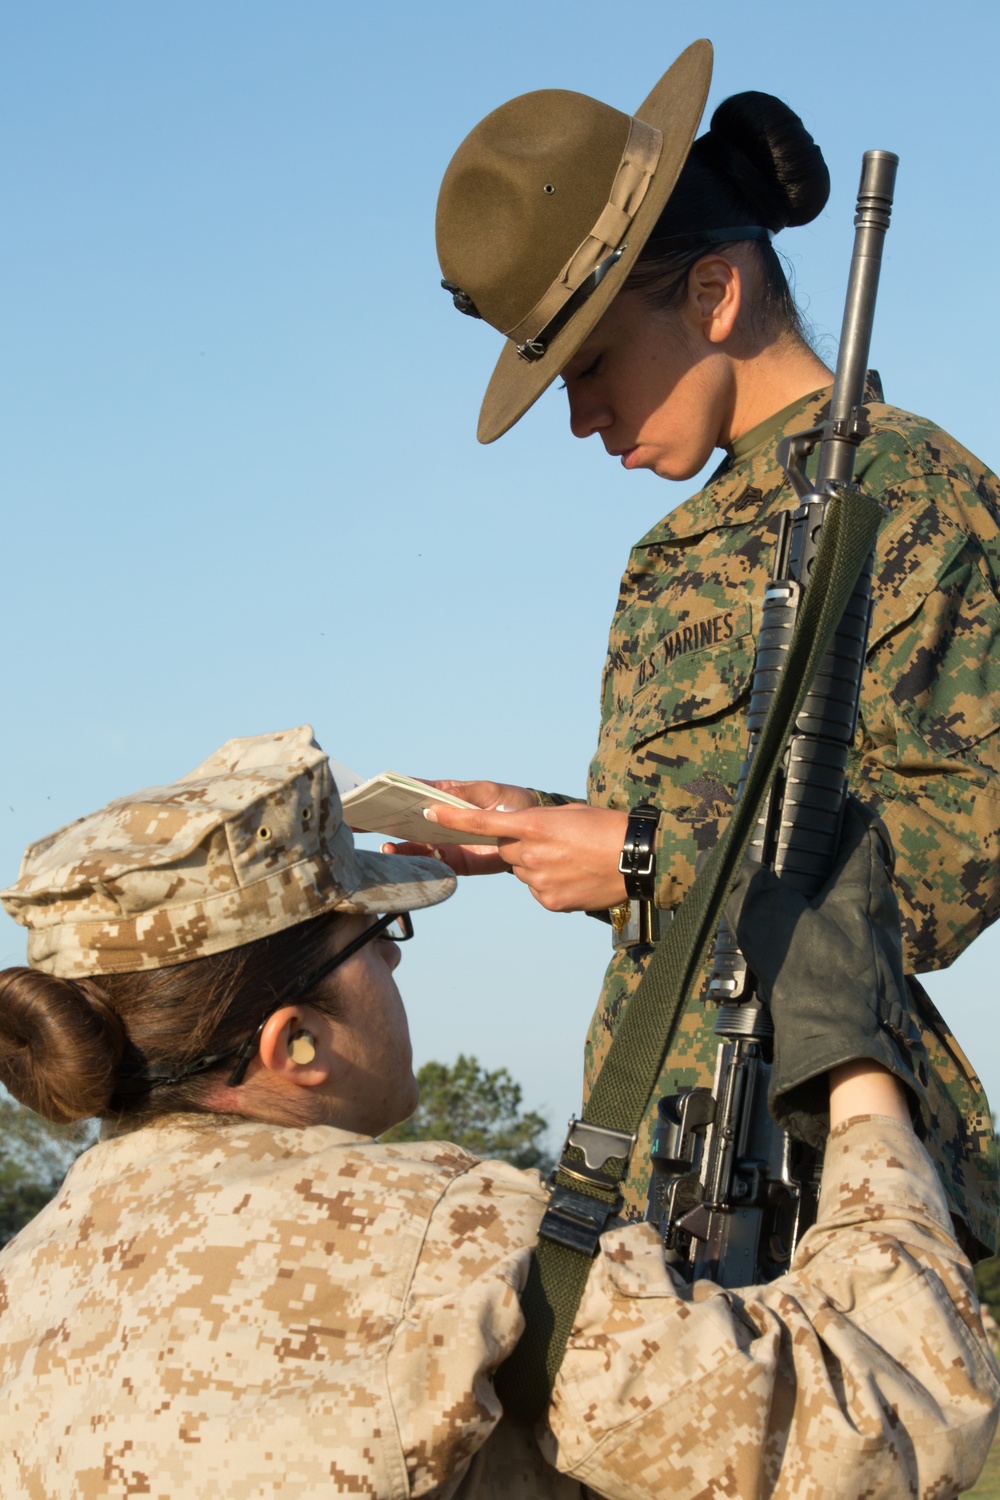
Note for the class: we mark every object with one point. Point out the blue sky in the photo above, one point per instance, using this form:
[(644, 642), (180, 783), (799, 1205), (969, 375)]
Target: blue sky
[(240, 477)]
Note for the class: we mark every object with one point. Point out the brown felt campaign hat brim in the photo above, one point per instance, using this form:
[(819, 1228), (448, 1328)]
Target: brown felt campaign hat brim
[(674, 108)]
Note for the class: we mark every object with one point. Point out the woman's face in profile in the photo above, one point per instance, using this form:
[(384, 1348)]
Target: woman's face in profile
[(370, 1035), (649, 386)]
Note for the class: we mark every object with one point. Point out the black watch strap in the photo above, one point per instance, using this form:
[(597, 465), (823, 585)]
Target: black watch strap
[(638, 859)]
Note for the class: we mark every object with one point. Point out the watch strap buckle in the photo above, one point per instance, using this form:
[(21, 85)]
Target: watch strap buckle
[(637, 861)]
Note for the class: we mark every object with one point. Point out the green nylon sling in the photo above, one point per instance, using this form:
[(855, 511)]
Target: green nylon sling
[(624, 1088)]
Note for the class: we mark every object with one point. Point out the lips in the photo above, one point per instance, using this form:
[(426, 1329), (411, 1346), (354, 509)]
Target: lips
[(625, 455)]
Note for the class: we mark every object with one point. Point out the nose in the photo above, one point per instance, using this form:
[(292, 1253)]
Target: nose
[(587, 414)]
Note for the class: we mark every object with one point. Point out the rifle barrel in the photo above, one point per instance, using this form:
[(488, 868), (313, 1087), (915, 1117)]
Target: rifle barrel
[(871, 220)]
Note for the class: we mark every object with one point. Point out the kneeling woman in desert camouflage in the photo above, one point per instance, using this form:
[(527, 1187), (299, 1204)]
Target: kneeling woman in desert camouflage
[(240, 1292)]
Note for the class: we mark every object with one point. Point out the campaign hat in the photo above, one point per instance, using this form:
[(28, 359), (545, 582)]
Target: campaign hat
[(543, 210)]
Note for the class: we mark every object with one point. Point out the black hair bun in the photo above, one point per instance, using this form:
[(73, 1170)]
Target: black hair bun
[(766, 152)]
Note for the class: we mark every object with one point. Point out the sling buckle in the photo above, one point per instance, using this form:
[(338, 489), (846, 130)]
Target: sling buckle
[(598, 1143), (576, 1220)]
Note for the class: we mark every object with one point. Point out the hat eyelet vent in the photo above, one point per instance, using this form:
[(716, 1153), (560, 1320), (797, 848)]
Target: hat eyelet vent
[(263, 833), (307, 813), (549, 188)]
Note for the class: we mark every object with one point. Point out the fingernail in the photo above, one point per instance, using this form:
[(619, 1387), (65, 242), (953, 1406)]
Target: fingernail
[(437, 854), (501, 808), (386, 848), (431, 815)]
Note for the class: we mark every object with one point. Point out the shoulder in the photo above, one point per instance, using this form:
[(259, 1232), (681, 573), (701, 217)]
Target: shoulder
[(275, 1171), (490, 1201), (464, 1198), (298, 1192), (942, 508), (905, 449)]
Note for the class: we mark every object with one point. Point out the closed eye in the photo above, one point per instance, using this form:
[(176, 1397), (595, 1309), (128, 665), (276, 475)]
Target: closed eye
[(590, 369)]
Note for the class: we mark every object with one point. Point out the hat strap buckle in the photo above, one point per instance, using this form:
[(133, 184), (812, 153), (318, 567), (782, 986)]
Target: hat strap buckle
[(534, 348)]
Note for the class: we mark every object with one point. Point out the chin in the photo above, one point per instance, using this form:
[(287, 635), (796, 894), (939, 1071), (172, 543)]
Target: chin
[(409, 1099), (402, 1105), (676, 470)]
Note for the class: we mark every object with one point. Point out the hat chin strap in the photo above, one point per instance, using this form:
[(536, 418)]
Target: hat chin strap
[(534, 348), (639, 161)]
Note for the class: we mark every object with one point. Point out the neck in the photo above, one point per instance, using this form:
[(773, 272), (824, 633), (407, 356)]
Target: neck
[(769, 380), (259, 1100)]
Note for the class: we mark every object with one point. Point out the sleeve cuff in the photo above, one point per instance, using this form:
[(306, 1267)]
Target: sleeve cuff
[(875, 1168), (670, 891)]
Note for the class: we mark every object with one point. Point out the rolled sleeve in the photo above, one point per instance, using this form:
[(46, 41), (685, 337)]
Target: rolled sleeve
[(864, 1370)]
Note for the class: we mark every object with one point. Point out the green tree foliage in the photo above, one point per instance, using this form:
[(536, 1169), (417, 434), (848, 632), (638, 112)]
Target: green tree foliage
[(477, 1110), (988, 1284), (34, 1158)]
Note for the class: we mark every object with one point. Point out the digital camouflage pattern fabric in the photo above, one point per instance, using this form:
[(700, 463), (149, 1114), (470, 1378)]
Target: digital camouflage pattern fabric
[(927, 754), (213, 1306), (250, 842)]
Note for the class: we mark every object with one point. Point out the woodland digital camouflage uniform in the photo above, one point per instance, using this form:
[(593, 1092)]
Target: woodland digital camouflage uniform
[(927, 753), (228, 1308)]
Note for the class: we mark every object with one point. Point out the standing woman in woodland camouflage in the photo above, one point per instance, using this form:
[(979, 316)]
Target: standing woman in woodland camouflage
[(638, 267)]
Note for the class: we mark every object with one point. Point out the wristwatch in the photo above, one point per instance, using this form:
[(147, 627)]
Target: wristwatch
[(638, 858)]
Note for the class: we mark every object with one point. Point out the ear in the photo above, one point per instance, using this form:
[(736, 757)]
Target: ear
[(714, 297), (281, 1043)]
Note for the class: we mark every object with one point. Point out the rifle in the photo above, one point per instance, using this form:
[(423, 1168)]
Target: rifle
[(730, 1191)]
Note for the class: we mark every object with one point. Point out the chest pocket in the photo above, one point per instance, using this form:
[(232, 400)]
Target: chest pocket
[(694, 672), (675, 719)]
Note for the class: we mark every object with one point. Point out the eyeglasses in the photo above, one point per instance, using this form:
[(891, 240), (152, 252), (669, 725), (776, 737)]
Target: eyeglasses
[(396, 927)]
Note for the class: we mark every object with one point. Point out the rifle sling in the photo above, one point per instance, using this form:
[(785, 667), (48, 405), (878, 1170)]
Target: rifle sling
[(622, 1091)]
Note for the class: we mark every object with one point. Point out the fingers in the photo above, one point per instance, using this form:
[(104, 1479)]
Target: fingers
[(489, 794), (418, 851), (493, 822), (566, 856), (461, 859)]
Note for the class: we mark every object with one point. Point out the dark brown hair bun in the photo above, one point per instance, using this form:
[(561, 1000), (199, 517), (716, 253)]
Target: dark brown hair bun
[(756, 168), (765, 151), (60, 1044)]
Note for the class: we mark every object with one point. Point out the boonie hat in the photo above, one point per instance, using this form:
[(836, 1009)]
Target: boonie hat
[(543, 210), (250, 842)]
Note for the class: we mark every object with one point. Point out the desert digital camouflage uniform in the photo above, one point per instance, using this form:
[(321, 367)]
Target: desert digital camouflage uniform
[(223, 1307), (927, 753)]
